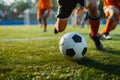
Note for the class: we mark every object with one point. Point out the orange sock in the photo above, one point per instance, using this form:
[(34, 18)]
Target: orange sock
[(94, 25), (110, 24)]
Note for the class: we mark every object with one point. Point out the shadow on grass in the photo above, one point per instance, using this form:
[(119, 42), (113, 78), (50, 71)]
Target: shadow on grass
[(112, 51), (116, 37), (5, 69), (110, 68), (116, 34)]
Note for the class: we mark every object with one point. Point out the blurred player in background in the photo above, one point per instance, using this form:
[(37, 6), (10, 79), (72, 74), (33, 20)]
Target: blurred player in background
[(112, 11), (79, 16), (43, 11), (85, 17), (76, 17), (65, 9)]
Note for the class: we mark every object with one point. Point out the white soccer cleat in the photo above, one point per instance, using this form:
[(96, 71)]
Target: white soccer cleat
[(107, 37)]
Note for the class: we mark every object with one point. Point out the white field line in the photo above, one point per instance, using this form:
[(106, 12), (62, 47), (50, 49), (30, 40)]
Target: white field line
[(28, 39)]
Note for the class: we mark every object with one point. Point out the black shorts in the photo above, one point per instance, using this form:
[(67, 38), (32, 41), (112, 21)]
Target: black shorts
[(66, 7)]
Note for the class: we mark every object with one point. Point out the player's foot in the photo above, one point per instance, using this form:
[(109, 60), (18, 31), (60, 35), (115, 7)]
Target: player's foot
[(97, 42), (55, 31), (44, 30), (105, 36)]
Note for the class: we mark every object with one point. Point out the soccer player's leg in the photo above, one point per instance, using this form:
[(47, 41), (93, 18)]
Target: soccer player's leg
[(45, 16), (39, 17), (45, 24), (60, 25), (111, 22), (94, 20), (64, 10)]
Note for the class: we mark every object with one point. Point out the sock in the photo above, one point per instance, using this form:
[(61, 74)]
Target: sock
[(94, 25), (110, 24)]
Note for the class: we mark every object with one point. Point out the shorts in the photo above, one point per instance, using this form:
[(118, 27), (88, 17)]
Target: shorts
[(107, 9), (66, 7)]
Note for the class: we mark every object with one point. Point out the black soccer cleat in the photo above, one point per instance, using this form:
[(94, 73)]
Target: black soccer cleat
[(55, 31), (97, 42)]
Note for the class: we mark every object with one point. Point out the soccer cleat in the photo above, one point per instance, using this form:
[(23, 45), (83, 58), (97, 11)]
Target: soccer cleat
[(105, 36), (97, 42), (44, 30), (108, 37), (55, 31)]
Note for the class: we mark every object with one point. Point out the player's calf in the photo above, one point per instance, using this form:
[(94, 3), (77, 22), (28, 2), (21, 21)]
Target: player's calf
[(60, 25)]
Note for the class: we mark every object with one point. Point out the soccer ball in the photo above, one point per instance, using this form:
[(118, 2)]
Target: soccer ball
[(73, 46)]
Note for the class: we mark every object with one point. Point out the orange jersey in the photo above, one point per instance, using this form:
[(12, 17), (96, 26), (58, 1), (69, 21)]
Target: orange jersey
[(115, 3), (44, 4)]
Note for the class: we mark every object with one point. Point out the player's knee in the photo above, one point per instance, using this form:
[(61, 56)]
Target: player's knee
[(114, 16), (92, 8), (94, 12), (113, 11), (91, 4)]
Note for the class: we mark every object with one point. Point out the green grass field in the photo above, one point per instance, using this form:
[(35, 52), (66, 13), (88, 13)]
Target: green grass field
[(27, 53)]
